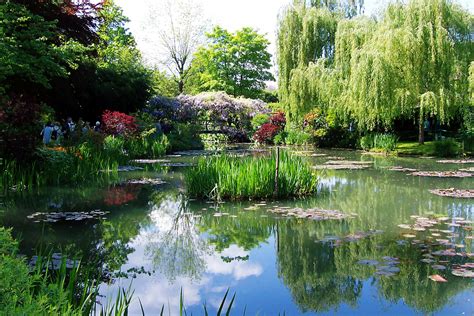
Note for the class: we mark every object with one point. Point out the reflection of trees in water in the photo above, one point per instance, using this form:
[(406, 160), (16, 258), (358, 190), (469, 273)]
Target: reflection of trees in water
[(308, 269), (388, 198), (99, 244), (176, 248), (321, 277), (247, 230)]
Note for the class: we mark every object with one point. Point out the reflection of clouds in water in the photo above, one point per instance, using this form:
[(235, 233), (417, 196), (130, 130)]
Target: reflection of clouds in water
[(329, 183), (159, 289), (238, 269)]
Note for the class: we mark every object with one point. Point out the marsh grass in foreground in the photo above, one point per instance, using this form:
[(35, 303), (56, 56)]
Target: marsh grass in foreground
[(233, 178)]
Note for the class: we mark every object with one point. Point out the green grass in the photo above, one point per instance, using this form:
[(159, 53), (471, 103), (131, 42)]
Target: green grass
[(233, 178), (432, 148)]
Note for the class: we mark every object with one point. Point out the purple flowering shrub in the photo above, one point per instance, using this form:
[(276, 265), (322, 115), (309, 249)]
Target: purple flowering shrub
[(210, 111)]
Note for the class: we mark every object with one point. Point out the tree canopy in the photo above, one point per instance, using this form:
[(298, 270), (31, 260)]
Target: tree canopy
[(237, 63), (412, 63)]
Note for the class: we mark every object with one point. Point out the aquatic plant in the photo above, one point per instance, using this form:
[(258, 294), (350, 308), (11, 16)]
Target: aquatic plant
[(41, 290), (234, 178)]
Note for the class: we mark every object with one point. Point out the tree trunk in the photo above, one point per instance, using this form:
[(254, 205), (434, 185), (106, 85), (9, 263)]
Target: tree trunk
[(421, 132), (180, 86)]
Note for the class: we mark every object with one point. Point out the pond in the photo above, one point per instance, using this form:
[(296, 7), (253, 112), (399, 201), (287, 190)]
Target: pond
[(147, 235)]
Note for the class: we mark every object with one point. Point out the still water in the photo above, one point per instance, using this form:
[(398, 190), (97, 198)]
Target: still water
[(158, 242)]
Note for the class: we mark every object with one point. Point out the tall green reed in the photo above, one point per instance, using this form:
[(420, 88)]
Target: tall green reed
[(234, 178)]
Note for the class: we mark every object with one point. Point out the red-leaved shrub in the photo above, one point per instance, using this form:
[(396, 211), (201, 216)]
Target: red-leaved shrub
[(278, 119), (268, 131), (118, 123)]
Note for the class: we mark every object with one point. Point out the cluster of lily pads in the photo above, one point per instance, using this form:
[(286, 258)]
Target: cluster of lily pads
[(312, 213), (151, 181), (457, 161), (344, 165), (54, 217), (457, 193), (387, 267), (440, 239), (442, 174)]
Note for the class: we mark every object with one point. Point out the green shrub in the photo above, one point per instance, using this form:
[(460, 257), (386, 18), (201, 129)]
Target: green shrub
[(280, 138), (446, 148), (379, 142), (367, 142), (468, 141), (147, 146), (258, 120), (227, 177), (185, 137), (295, 137), (114, 146)]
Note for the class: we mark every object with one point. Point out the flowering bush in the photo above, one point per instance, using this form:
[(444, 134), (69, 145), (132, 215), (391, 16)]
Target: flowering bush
[(117, 123)]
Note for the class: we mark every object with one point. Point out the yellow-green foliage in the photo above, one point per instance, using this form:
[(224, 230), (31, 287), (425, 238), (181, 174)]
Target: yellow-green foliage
[(412, 63)]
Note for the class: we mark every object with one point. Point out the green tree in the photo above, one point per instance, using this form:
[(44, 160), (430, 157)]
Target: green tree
[(237, 63), (305, 35), (32, 52)]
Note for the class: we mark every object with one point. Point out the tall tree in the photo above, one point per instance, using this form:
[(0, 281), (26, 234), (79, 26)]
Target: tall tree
[(414, 65), (305, 34), (237, 63), (181, 27)]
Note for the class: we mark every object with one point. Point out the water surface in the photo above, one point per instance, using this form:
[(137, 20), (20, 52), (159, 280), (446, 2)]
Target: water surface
[(160, 242)]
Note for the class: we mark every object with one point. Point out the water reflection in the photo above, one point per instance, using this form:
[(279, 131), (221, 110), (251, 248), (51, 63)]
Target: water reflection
[(162, 242)]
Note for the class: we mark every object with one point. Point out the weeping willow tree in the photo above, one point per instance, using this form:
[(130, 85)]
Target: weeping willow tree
[(305, 35), (413, 64)]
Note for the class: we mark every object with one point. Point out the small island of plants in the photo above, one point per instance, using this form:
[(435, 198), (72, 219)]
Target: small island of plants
[(235, 178)]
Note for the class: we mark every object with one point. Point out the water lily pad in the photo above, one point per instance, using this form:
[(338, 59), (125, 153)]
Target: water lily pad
[(457, 161), (340, 167), (456, 193), (442, 174), (150, 161), (404, 226), (437, 278), (128, 168), (438, 267), (409, 235), (155, 181), (402, 169), (312, 213), (464, 273)]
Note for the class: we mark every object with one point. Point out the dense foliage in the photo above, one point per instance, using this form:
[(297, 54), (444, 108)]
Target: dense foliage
[(49, 48), (410, 64)]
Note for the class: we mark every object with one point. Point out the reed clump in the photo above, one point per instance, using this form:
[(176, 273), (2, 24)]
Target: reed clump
[(234, 178)]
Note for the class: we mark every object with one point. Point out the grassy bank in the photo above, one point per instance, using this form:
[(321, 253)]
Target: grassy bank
[(444, 148), (233, 178)]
